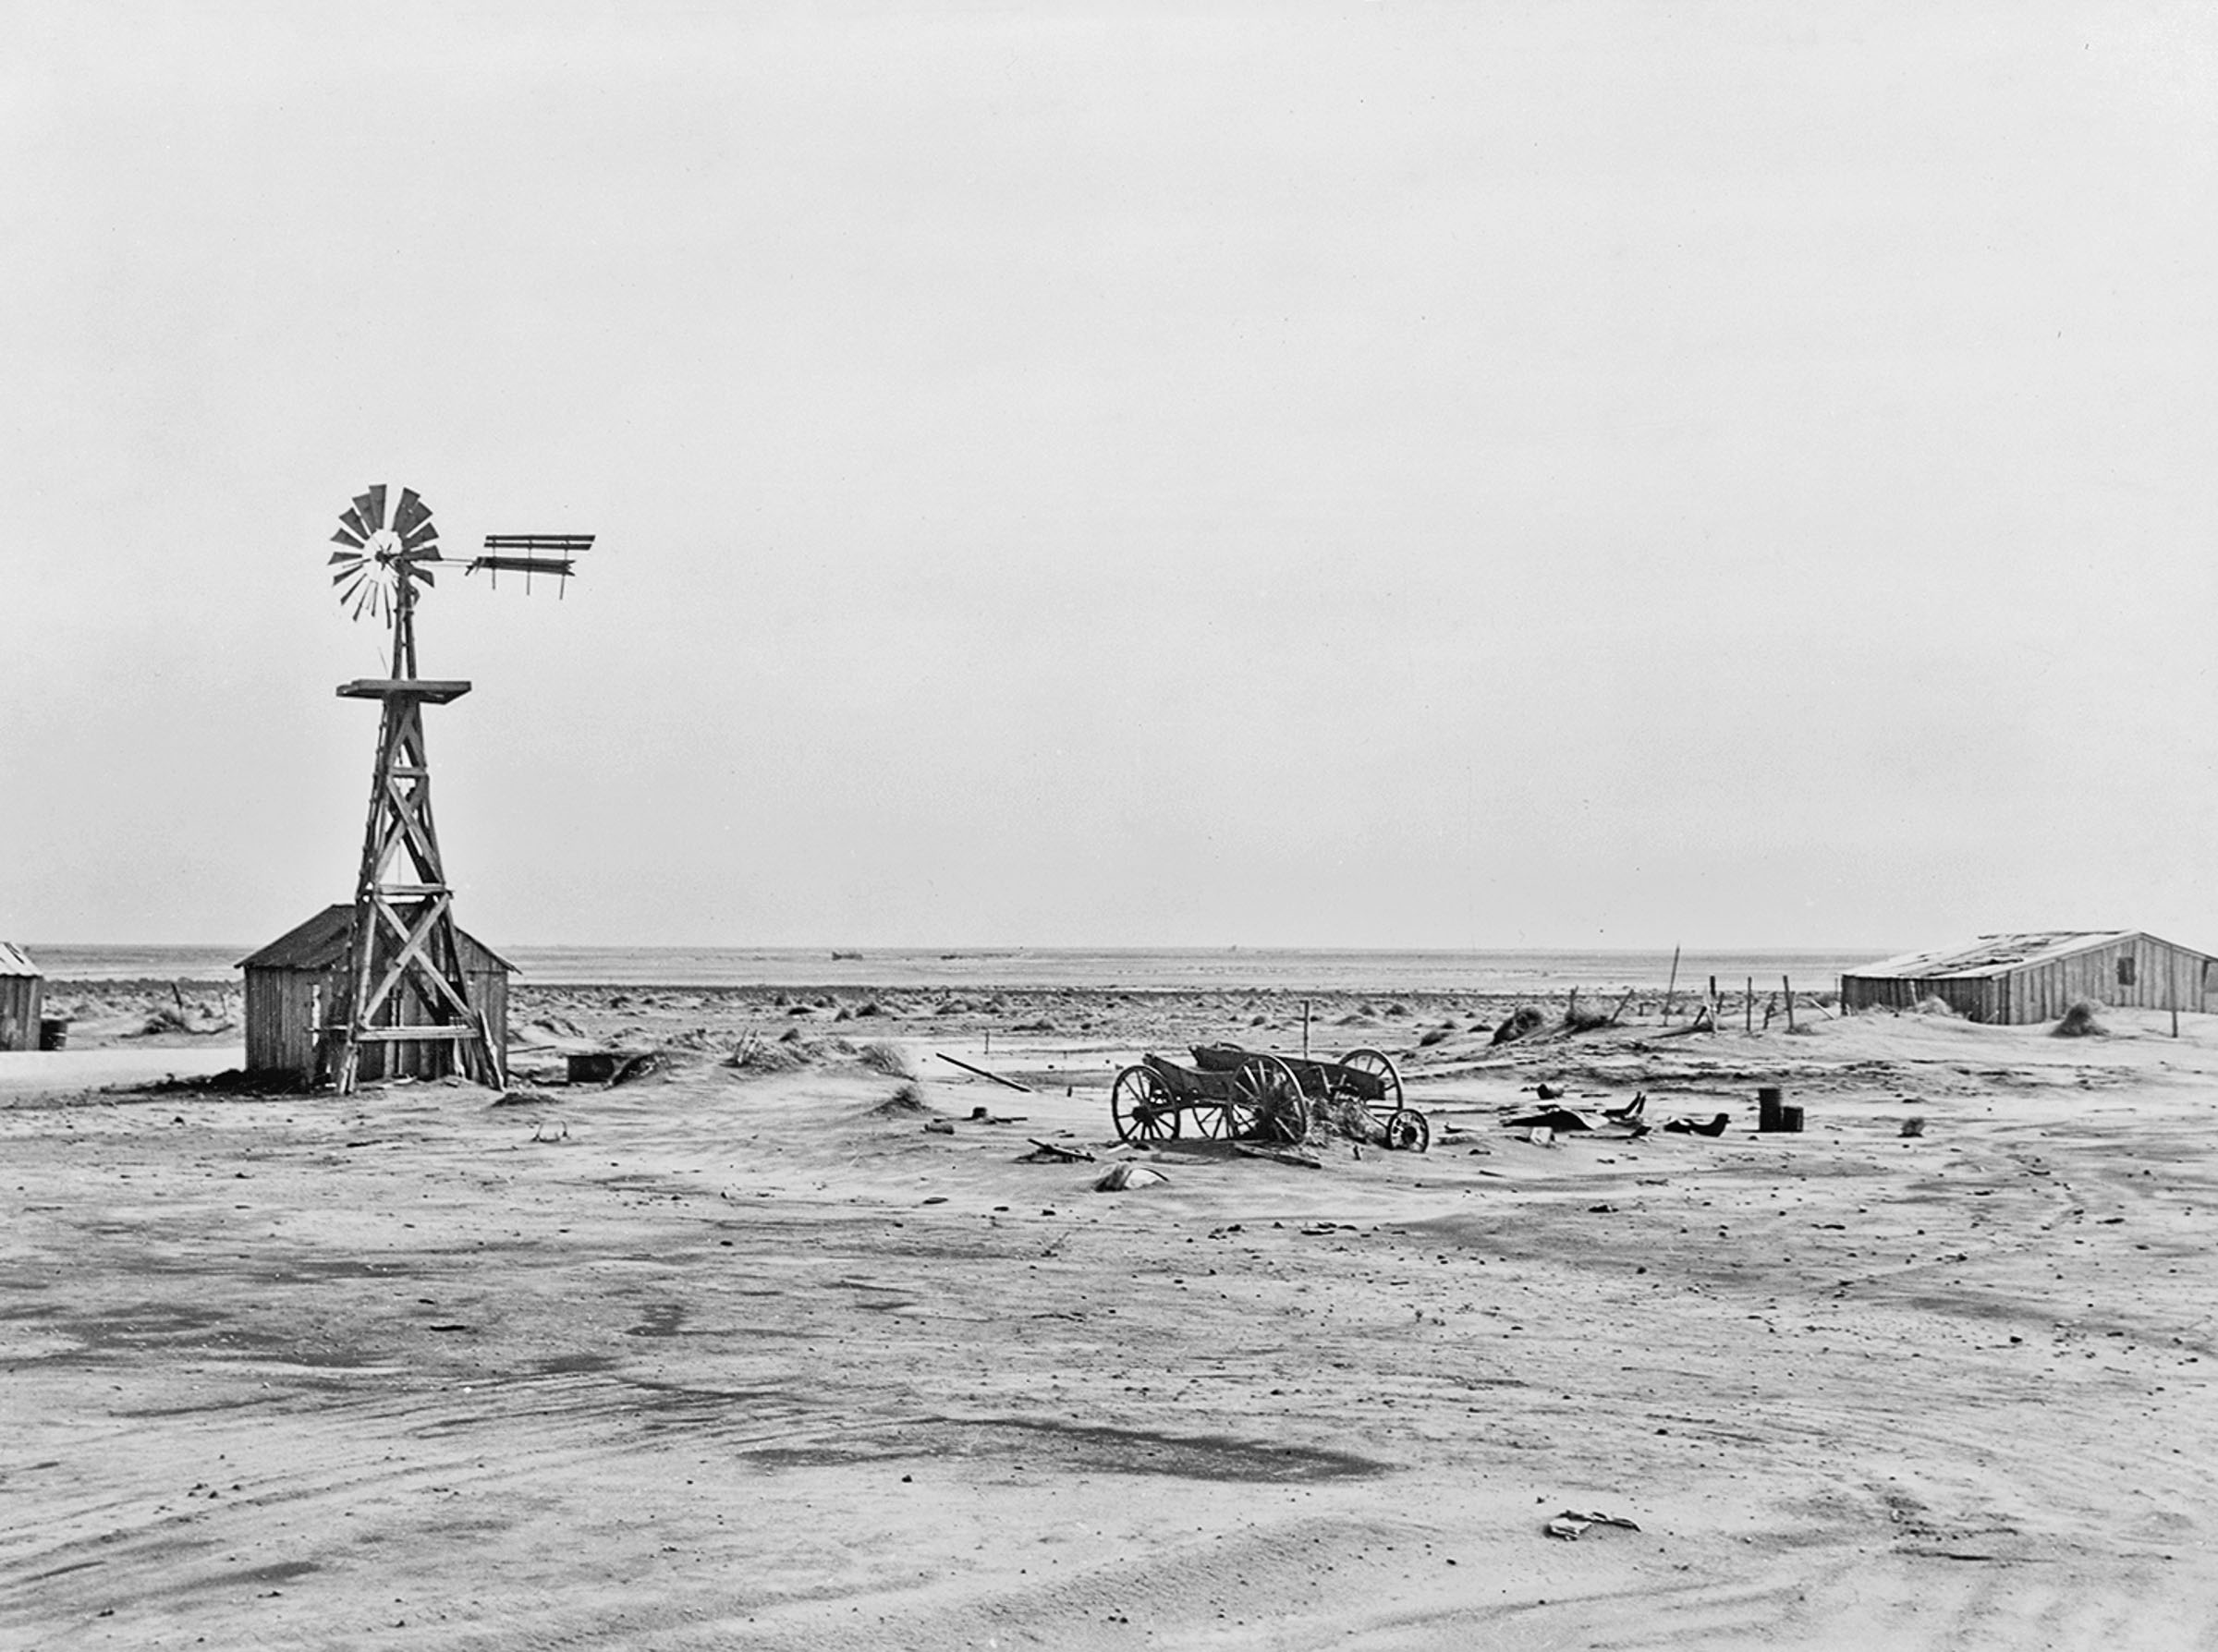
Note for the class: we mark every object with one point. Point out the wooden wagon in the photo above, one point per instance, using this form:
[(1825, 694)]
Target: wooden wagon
[(1242, 1095)]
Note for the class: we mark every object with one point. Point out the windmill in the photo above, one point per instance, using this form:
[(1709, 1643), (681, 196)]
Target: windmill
[(405, 983)]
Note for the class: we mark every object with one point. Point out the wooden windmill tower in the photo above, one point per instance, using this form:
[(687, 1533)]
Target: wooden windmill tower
[(405, 980)]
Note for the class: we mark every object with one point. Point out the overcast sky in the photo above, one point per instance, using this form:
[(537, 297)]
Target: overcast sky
[(1388, 474)]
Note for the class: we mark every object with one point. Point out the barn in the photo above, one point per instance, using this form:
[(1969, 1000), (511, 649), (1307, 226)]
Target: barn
[(2016, 979), (22, 993), (297, 985)]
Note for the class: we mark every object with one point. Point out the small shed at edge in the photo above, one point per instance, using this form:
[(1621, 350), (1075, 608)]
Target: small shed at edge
[(297, 985), (2016, 979), (22, 994)]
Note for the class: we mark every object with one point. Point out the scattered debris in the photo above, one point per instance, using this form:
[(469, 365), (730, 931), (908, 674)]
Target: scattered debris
[(1712, 1126), (940, 1126), (1125, 1176), (997, 1078), (611, 1067), (1551, 1118), (981, 1116), (549, 1130), (1048, 1152), (1283, 1155), (1571, 1524), (1913, 1126), (1546, 1092)]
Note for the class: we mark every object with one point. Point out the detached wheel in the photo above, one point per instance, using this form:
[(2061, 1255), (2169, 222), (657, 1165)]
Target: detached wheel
[(1267, 1103), (1408, 1131), (1140, 1104), (1377, 1065)]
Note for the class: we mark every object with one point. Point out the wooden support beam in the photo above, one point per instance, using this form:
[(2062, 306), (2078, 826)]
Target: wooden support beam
[(431, 691)]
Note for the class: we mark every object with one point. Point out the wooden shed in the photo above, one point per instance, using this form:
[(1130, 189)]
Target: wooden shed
[(2016, 979), (22, 994), (297, 987)]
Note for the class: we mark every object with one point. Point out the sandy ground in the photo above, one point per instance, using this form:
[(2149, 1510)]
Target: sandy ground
[(717, 1359)]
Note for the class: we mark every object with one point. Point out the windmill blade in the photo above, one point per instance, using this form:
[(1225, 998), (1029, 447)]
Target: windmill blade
[(371, 508), (411, 514), (339, 556), (349, 534), (428, 534), (422, 576)]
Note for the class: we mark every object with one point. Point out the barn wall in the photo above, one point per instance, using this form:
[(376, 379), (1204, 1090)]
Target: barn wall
[(280, 1023), (1970, 996), (2163, 976), (20, 998)]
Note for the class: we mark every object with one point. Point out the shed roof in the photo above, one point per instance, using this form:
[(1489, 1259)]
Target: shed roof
[(14, 960), (320, 942), (1999, 955)]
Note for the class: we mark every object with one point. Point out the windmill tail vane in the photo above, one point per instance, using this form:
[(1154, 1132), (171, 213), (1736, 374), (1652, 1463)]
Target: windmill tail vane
[(546, 555)]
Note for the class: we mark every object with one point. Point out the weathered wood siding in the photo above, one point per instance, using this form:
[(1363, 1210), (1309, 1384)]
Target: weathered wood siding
[(21, 996), (284, 1007), (2161, 977), (281, 1022)]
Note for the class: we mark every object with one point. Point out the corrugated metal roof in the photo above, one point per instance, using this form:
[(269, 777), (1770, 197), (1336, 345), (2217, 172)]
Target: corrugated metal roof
[(321, 943), (14, 960), (1999, 955)]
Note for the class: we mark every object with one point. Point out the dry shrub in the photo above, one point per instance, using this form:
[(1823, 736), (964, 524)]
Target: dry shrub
[(763, 1057), (886, 1059), (908, 1099), (1523, 1020), (1433, 1035), (2078, 1022), (1933, 1006), (1577, 1020), (1342, 1116)]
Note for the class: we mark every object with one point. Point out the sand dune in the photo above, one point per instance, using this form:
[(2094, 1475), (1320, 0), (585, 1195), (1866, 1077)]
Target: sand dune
[(728, 1360)]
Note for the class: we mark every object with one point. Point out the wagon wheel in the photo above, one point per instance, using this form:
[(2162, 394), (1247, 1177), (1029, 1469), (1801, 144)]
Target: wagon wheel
[(1266, 1102), (1377, 1064), (1212, 1118), (1408, 1131), (1140, 1103)]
